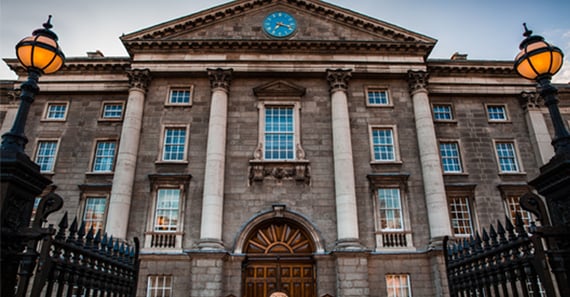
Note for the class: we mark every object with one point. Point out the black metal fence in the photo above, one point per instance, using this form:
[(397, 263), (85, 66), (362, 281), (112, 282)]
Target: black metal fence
[(73, 261), (506, 260)]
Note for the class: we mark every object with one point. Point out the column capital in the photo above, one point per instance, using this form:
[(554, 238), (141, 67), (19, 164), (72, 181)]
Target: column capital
[(139, 78), (530, 100), (338, 79), (417, 81), (220, 78)]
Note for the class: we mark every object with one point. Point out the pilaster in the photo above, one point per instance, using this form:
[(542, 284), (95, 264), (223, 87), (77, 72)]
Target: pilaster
[(539, 135), (123, 179)]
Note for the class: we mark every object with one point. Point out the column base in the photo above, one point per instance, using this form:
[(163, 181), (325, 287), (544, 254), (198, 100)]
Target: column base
[(436, 243), (348, 244), (211, 244)]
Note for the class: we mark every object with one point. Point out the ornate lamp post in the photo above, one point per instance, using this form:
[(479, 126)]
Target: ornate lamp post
[(539, 61), (21, 180)]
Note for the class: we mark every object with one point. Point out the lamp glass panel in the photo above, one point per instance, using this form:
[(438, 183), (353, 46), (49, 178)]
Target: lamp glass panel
[(25, 55), (48, 41), (524, 69), (42, 57), (556, 62), (54, 66), (541, 62)]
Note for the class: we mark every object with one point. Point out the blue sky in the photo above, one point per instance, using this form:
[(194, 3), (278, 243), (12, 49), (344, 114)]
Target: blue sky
[(483, 29)]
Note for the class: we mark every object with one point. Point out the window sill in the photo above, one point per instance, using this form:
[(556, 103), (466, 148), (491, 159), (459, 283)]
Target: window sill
[(94, 173), (499, 121), (171, 162), (53, 120), (113, 120), (386, 163), (380, 105), (455, 174), (298, 170), (453, 122), (521, 173), (178, 105)]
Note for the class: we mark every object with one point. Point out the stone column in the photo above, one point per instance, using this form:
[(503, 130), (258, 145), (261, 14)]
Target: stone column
[(434, 188), (539, 135), (123, 179), (213, 198), (347, 217)]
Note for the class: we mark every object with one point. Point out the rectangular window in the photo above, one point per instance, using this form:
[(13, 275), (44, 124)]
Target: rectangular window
[(377, 97), (398, 285), (45, 155), (94, 213), (56, 111), (112, 111), (179, 96), (514, 208), (442, 112), (279, 133), (167, 210), (104, 156), (507, 157), (174, 147), (450, 157), (159, 286), (497, 113), (383, 144), (460, 214), (390, 209)]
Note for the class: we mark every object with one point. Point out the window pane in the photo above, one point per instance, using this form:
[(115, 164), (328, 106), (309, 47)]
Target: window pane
[(496, 112), (279, 133), (442, 112), (167, 209), (112, 110), (45, 156), (94, 213), (460, 216), (383, 144), (174, 144), (507, 156), (398, 285), (450, 158), (179, 96), (390, 209), (56, 111), (159, 286), (514, 207), (378, 97), (104, 156)]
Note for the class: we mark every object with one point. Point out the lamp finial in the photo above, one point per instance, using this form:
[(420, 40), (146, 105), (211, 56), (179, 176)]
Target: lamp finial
[(527, 32), (48, 24)]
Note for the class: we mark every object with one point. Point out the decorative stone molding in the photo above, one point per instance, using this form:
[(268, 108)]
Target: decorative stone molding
[(378, 180), (417, 81), (298, 170), (338, 79), (530, 100), (220, 78), (139, 78)]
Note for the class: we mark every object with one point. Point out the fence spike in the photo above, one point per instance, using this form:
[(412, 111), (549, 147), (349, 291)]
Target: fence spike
[(63, 224), (493, 235), (466, 248), (104, 242), (81, 233), (97, 240), (116, 249), (89, 237), (478, 246), (520, 226), (72, 230), (486, 239), (510, 229), (110, 246), (501, 232)]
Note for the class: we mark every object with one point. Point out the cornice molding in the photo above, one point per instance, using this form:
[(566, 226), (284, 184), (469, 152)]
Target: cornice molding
[(449, 67), (109, 65)]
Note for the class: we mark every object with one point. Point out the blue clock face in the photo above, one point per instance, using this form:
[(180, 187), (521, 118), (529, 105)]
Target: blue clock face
[(279, 24)]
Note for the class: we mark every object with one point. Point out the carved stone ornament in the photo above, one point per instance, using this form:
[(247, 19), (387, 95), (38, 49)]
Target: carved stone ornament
[(530, 100), (292, 170), (338, 79), (417, 81), (139, 78), (220, 78)]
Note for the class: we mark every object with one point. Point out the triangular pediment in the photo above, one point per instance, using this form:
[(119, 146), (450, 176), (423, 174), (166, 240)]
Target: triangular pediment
[(279, 89), (238, 24)]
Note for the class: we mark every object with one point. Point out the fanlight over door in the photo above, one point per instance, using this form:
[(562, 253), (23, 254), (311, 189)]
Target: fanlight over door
[(279, 259)]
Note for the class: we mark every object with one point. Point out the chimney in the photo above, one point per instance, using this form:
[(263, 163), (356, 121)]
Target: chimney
[(95, 54), (458, 57)]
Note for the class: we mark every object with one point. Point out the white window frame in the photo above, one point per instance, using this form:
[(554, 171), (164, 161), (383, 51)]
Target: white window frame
[(296, 107), (382, 210), (88, 197), (102, 116), (459, 156), (518, 163), (40, 140), (155, 225), (383, 89), (172, 89), (159, 291), (451, 112), (163, 143), (396, 290), (94, 155), (47, 111), (395, 144), (505, 109), (466, 200), (512, 207)]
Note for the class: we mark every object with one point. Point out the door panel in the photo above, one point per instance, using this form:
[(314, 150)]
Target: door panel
[(263, 278)]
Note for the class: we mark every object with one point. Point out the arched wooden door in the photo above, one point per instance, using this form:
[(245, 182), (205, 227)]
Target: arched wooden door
[(279, 259)]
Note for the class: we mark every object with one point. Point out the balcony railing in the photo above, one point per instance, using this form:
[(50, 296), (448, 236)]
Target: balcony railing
[(161, 241), (394, 239)]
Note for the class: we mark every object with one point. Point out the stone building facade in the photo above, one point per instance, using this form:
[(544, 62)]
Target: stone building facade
[(290, 146)]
